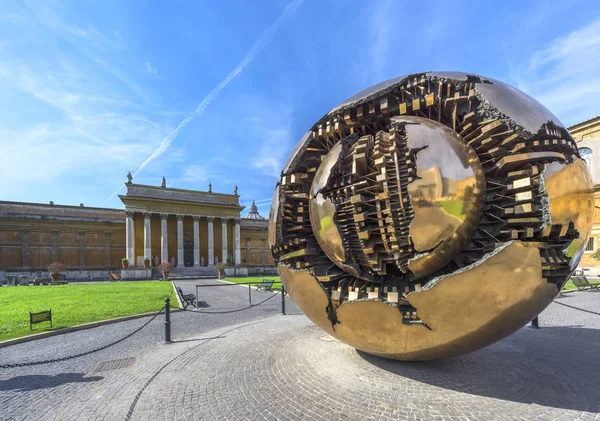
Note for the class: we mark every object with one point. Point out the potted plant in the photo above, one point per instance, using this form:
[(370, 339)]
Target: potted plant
[(125, 263), (220, 267), (146, 262), (55, 269), (165, 268), (244, 261), (229, 262)]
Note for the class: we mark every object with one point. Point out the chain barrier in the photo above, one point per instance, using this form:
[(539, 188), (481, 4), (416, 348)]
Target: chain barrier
[(70, 357), (577, 308), (237, 310)]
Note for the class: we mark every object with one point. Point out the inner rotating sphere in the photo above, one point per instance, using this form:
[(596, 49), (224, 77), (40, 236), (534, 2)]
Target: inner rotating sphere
[(430, 215)]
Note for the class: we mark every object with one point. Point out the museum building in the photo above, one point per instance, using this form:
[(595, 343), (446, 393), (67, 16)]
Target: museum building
[(191, 229), (587, 136)]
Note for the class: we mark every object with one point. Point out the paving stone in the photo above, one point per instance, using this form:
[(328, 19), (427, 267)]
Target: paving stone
[(256, 365)]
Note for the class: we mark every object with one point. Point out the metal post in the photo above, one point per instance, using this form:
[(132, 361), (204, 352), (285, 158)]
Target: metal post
[(282, 299), (249, 295), (535, 323), (167, 320)]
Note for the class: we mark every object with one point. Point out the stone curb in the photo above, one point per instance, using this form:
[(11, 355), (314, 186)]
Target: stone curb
[(15, 341)]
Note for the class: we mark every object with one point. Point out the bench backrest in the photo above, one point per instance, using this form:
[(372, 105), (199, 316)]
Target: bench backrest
[(267, 281), (180, 292)]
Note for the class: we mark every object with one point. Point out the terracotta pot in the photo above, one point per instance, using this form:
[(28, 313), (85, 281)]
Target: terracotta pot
[(125, 265), (55, 276), (165, 274), (146, 265)]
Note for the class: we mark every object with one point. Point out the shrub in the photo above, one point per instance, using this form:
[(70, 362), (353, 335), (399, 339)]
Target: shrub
[(165, 266), (125, 260), (57, 267)]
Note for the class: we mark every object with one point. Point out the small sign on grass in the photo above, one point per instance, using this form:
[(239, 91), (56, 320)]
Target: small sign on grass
[(42, 316)]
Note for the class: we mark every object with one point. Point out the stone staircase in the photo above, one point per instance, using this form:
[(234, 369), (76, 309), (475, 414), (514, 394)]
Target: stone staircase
[(183, 272)]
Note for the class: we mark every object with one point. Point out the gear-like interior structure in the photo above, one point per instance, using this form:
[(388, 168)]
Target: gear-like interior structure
[(422, 180)]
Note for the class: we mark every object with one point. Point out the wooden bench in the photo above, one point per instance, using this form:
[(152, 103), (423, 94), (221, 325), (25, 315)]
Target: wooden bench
[(265, 285), (114, 277), (186, 299), (42, 316)]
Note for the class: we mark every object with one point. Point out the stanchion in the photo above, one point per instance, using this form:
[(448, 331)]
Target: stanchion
[(282, 299), (167, 320), (249, 295), (535, 324)]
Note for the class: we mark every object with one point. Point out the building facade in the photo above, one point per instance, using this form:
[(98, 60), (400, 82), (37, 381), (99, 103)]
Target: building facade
[(188, 228), (587, 136)]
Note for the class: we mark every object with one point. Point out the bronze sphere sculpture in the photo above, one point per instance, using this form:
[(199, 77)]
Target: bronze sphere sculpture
[(430, 215)]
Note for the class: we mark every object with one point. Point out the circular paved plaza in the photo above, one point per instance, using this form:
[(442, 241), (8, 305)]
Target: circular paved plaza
[(266, 366)]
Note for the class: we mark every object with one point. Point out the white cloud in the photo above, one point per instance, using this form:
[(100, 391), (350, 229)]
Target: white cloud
[(258, 45), (564, 75), (76, 118), (150, 69)]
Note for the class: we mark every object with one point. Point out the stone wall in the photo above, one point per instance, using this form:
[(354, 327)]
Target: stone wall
[(254, 244), (34, 235)]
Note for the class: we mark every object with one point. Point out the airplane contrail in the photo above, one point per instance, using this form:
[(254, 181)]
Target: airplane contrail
[(258, 45)]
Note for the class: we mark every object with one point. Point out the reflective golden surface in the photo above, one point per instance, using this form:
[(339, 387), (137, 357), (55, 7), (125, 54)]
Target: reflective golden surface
[(462, 312), (430, 215), (571, 193), (273, 218), (446, 197)]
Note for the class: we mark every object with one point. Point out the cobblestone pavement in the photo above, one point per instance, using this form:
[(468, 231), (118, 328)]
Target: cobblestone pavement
[(258, 364)]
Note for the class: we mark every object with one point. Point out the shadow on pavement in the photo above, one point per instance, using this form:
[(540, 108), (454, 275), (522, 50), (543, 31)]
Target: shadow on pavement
[(34, 382), (552, 366)]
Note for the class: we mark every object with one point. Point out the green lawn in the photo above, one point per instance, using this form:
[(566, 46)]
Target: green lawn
[(75, 304), (276, 285), (569, 285)]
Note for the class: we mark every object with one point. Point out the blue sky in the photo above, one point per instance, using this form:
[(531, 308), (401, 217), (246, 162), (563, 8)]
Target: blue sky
[(220, 91)]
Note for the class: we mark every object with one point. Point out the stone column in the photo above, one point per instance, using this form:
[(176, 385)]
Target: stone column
[(224, 240), (147, 236), (107, 247), (211, 242), (25, 247), (164, 241), (196, 241), (129, 237), (180, 261), (81, 242), (133, 262), (263, 242), (236, 241), (54, 243)]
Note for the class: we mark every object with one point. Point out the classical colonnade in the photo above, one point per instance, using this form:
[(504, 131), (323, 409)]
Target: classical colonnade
[(164, 247)]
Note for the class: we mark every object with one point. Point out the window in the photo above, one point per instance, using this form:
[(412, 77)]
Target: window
[(590, 244), (586, 155)]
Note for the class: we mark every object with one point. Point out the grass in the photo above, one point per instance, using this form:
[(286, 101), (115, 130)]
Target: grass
[(569, 285), (75, 304), (276, 285)]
